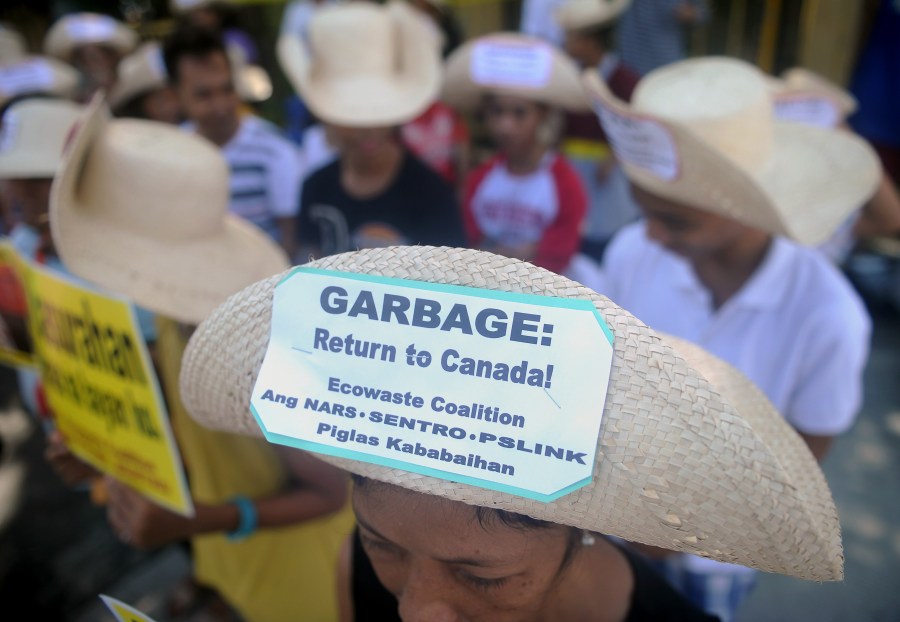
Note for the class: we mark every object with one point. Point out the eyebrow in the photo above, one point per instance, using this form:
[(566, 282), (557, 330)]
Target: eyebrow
[(461, 561)]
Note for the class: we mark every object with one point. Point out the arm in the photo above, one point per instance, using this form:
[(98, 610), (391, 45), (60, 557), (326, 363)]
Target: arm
[(881, 215), (287, 228), (316, 490), (473, 233), (562, 238), (818, 445), (285, 181), (344, 581)]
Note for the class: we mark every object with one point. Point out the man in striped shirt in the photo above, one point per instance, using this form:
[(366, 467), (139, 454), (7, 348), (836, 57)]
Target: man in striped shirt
[(266, 169)]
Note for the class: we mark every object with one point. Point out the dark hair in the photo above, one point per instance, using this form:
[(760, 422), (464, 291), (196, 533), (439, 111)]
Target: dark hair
[(486, 517), (193, 41)]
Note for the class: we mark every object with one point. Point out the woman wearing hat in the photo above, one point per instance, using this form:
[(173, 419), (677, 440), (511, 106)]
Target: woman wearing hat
[(268, 521), (527, 201), (142, 89), (731, 195), (93, 44), (385, 72), (689, 456)]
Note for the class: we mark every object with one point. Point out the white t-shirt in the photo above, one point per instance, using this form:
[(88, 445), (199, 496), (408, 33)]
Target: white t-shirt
[(796, 328), (267, 173)]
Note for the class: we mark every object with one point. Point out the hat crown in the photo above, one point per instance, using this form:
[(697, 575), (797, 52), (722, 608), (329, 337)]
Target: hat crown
[(358, 40), (726, 102), (155, 179)]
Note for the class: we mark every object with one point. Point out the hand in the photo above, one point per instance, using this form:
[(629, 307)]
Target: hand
[(70, 469), (140, 522), (604, 168)]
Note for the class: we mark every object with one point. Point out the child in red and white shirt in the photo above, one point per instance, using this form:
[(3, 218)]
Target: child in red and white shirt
[(527, 201)]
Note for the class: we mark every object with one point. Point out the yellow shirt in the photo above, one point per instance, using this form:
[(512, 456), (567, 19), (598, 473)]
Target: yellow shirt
[(285, 573)]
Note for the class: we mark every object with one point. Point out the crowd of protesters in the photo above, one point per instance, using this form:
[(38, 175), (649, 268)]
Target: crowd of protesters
[(711, 201)]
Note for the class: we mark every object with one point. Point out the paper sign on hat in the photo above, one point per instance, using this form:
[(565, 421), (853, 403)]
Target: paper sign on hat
[(37, 75)]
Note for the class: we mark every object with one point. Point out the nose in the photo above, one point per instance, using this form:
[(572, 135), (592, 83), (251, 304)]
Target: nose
[(424, 600)]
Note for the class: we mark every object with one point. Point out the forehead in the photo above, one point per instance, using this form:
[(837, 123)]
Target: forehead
[(500, 100), (438, 528), (211, 66), (655, 206)]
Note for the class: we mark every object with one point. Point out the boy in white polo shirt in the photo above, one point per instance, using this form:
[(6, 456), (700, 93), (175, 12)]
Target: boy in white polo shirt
[(722, 186)]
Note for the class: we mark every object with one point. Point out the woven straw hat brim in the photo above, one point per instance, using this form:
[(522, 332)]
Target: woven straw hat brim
[(368, 100), (812, 182), (586, 14), (183, 280), (680, 464), (563, 90), (60, 43)]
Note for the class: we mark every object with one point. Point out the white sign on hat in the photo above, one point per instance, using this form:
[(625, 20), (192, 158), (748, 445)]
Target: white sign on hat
[(640, 142), (808, 109), (91, 28), (459, 383), (25, 77), (496, 63)]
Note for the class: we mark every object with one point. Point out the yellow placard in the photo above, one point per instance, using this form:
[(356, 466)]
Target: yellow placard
[(13, 309), (102, 389), (123, 612)]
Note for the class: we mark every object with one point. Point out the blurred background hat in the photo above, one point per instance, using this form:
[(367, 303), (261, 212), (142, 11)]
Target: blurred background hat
[(79, 29), (37, 75), (703, 132), (386, 70), (135, 202), (33, 133)]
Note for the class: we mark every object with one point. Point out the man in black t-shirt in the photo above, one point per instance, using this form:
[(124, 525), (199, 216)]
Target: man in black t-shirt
[(377, 193)]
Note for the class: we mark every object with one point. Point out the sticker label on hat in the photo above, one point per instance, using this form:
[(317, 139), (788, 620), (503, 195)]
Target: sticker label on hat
[(509, 64), (26, 77), (87, 28), (808, 110), (640, 142), (123, 612), (498, 390)]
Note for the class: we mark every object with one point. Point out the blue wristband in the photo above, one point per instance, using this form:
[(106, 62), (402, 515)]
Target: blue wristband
[(247, 520)]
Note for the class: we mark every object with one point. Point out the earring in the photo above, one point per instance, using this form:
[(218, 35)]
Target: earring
[(588, 539)]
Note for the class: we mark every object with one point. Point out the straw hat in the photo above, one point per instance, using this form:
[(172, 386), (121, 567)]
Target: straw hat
[(589, 14), (12, 44), (251, 82), (79, 29), (37, 75), (32, 137), (386, 70), (702, 132), (141, 208), (804, 96), (511, 64), (140, 72), (690, 456)]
